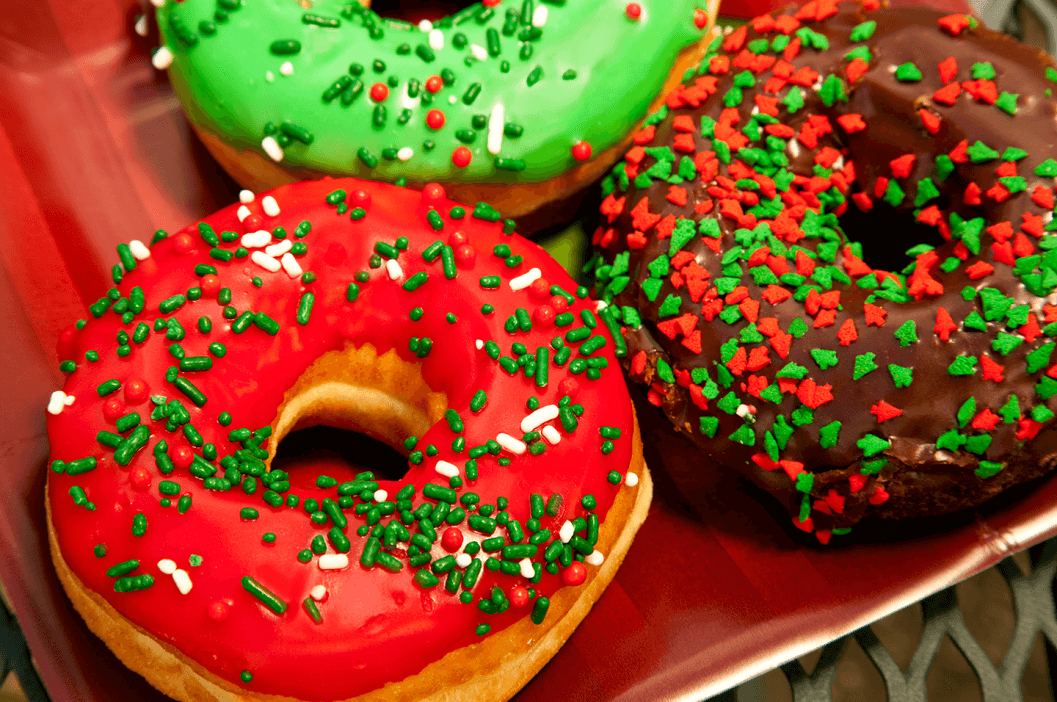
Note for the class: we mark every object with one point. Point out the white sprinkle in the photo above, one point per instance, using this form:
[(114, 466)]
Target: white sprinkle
[(290, 265), (543, 414), (408, 102), (394, 270), (280, 248), (318, 592), (380, 495), (245, 196), (257, 239), (139, 250), (452, 99), (596, 558), (57, 402), (425, 26), (525, 280), (448, 470), (511, 444), (463, 560), (287, 69), (631, 479), (269, 76), (478, 52), (167, 566), (527, 571), (68, 400), (162, 58), (272, 148), (243, 212), (551, 434), (566, 532), (183, 581), (141, 25), (838, 165), (794, 148), (333, 561), (265, 261), (405, 153), (743, 411), (600, 305), (436, 40), (157, 3), (271, 207), (495, 128), (539, 17), (479, 344)]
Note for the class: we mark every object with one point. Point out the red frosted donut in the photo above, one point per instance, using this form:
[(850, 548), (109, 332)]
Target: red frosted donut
[(765, 334), (362, 306)]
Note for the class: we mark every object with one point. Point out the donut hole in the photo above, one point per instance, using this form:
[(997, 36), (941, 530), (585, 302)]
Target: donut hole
[(415, 11), (886, 234), (339, 453), (354, 393)]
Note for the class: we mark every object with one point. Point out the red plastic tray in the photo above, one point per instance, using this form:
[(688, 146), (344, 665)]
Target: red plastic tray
[(95, 151)]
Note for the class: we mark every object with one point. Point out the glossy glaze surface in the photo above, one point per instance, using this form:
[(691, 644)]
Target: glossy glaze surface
[(382, 625), (522, 83)]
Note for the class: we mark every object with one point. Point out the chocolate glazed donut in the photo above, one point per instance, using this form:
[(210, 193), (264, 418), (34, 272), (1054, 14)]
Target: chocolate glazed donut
[(757, 324)]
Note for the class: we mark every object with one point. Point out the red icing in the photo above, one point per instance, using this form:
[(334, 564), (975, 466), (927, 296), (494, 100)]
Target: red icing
[(377, 626)]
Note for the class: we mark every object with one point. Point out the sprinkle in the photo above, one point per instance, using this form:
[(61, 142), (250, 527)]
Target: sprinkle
[(318, 592), (291, 266), (139, 250), (448, 470), (631, 480), (167, 566), (539, 16), (543, 414), (380, 495), (257, 239), (182, 580), (243, 212), (527, 571), (551, 434), (272, 149), (405, 153), (333, 561), (565, 533), (57, 402), (162, 58), (287, 69), (479, 52), (394, 270), (495, 128), (596, 558), (265, 261), (511, 444), (525, 280), (271, 207), (278, 249), (267, 598), (436, 39)]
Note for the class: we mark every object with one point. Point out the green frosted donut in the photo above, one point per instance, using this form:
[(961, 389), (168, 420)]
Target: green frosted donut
[(498, 92)]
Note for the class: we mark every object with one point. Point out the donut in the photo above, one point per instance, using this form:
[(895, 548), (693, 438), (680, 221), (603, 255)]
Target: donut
[(789, 339), (363, 306), (518, 105)]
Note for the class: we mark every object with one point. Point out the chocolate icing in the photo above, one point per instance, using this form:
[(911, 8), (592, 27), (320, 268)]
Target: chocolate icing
[(918, 478)]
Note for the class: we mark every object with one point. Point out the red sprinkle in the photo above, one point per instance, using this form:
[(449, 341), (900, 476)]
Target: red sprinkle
[(461, 157), (112, 409), (633, 11), (435, 119), (434, 84), (575, 574), (884, 411), (954, 23), (379, 92), (136, 391), (451, 540), (581, 151), (253, 222), (518, 595), (182, 456)]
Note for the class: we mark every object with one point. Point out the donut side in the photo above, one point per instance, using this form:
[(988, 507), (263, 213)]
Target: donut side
[(494, 669), (762, 329), (535, 206)]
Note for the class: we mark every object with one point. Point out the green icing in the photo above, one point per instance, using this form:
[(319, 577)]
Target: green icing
[(230, 82)]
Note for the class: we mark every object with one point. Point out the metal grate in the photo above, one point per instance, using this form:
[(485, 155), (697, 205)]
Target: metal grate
[(1033, 603)]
